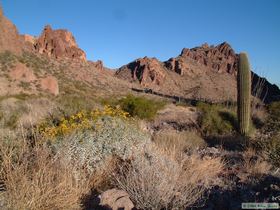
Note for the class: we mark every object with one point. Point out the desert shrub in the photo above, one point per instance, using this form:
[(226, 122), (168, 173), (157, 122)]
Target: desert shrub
[(71, 104), (179, 141), (268, 138), (268, 141), (112, 137), (34, 61), (6, 60), (112, 101), (25, 85), (136, 106), (35, 179), (271, 145), (274, 152), (158, 180), (216, 120), (274, 110), (82, 120), (12, 120), (1, 115), (140, 106), (254, 164), (12, 110), (20, 96)]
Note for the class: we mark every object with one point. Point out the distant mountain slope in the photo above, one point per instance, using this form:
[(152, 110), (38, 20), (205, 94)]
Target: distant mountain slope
[(207, 72), (53, 63)]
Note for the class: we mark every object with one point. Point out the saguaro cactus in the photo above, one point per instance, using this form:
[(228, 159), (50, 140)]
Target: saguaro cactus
[(244, 94)]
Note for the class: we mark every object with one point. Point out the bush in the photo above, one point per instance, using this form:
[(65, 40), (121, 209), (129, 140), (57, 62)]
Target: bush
[(268, 138), (90, 148), (12, 120), (270, 134), (35, 179), (157, 180), (7, 59), (37, 63), (140, 106), (270, 144), (179, 141), (83, 120), (71, 104), (216, 120), (274, 152), (274, 110)]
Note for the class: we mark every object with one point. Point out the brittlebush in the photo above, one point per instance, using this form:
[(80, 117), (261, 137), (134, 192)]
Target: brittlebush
[(82, 120)]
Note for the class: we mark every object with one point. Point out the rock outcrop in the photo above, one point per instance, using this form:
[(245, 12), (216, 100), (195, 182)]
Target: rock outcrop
[(50, 84), (58, 44), (115, 199), (148, 71), (220, 58), (9, 37), (21, 73)]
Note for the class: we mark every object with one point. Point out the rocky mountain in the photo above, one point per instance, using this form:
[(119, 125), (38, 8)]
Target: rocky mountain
[(51, 63), (220, 59), (205, 72), (58, 44), (146, 71), (9, 37), (53, 59)]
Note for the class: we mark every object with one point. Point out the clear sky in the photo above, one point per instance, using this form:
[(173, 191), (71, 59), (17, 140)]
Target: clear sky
[(119, 31)]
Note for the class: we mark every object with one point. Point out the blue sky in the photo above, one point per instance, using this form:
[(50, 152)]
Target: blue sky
[(119, 31)]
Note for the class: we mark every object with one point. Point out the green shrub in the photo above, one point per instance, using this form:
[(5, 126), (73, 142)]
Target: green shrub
[(216, 120), (140, 107), (71, 104)]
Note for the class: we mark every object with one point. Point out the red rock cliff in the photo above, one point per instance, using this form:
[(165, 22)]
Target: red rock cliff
[(59, 44)]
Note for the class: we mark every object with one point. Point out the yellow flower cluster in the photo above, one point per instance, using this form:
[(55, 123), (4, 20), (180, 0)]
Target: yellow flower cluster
[(80, 121)]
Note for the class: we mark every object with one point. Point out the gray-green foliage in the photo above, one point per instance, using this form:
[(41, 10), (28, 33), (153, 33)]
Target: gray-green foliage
[(244, 94), (113, 136)]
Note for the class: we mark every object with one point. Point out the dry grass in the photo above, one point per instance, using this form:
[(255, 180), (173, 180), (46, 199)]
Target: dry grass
[(178, 141), (255, 165), (155, 179), (101, 181), (35, 179)]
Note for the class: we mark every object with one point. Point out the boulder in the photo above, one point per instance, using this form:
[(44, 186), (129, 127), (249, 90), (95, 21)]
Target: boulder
[(115, 199), (21, 73), (50, 84)]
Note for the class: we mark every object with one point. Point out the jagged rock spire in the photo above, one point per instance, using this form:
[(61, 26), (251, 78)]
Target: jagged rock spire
[(59, 44)]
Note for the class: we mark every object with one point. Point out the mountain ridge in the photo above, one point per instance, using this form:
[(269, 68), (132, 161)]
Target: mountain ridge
[(210, 71)]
